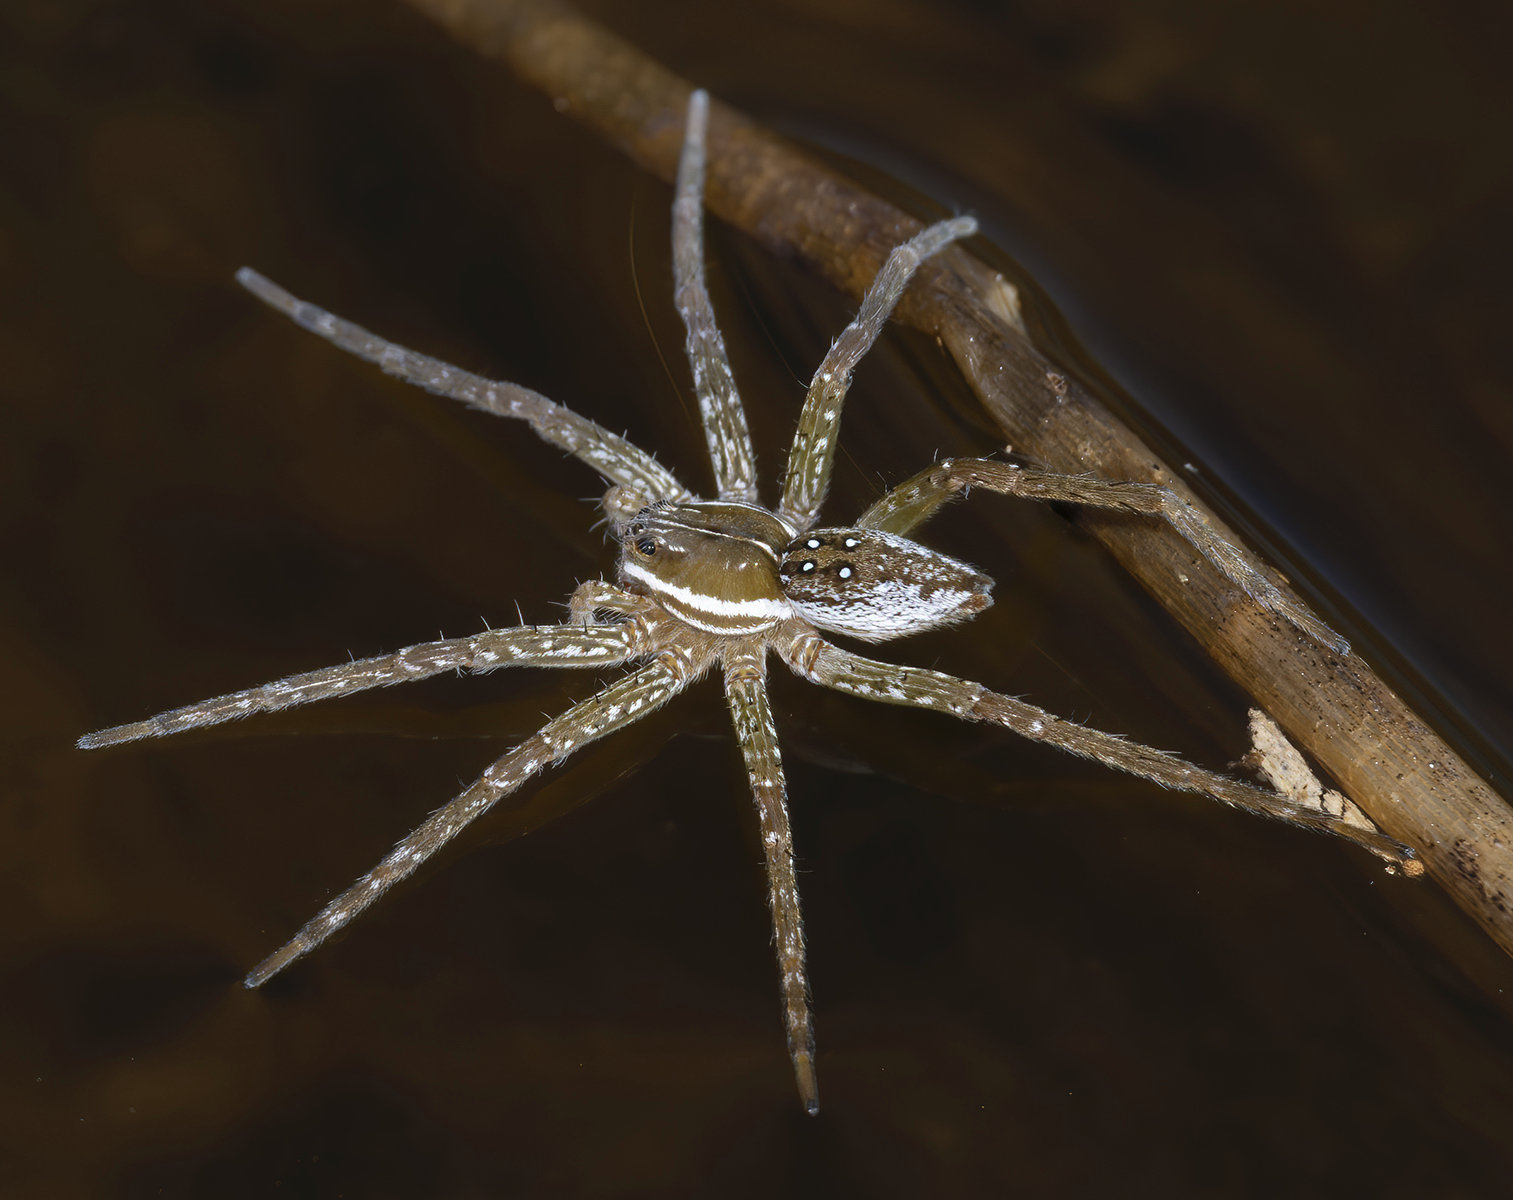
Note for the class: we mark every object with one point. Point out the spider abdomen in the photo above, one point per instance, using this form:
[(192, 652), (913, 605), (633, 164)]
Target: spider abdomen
[(876, 586)]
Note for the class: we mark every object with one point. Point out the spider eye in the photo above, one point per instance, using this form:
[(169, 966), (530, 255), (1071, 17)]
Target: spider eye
[(646, 546)]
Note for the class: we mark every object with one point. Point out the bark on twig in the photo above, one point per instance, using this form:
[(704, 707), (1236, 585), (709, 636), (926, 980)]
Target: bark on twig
[(1385, 758)]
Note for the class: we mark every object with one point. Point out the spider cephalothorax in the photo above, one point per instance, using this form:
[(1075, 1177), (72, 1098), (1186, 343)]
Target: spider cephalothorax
[(725, 584), (713, 564)]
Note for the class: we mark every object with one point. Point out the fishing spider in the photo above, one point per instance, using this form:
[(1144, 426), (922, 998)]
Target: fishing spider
[(726, 582)]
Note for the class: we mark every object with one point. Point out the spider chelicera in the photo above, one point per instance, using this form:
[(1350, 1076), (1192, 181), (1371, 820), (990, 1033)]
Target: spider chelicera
[(726, 583)]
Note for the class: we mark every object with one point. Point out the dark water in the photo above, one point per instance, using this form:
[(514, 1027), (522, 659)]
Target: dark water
[(1288, 232)]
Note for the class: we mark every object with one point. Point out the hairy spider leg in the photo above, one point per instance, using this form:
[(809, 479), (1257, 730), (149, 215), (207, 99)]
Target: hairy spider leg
[(628, 699), (814, 659), (573, 645), (611, 455), (724, 418), (813, 454), (751, 712), (915, 500)]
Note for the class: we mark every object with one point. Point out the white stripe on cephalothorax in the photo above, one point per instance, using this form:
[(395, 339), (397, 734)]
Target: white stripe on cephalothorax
[(761, 612)]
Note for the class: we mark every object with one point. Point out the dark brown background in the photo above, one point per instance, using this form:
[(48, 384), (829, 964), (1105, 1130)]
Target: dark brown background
[(1287, 229)]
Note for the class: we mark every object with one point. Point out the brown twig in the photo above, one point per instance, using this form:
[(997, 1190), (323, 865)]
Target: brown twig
[(1385, 758)]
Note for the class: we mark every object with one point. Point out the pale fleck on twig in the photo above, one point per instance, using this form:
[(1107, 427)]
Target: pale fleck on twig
[(1282, 765)]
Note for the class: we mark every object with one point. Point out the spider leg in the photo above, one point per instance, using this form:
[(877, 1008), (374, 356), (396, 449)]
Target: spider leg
[(746, 693), (915, 501), (626, 700), (725, 430), (816, 660), (813, 453), (612, 456), (523, 646)]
